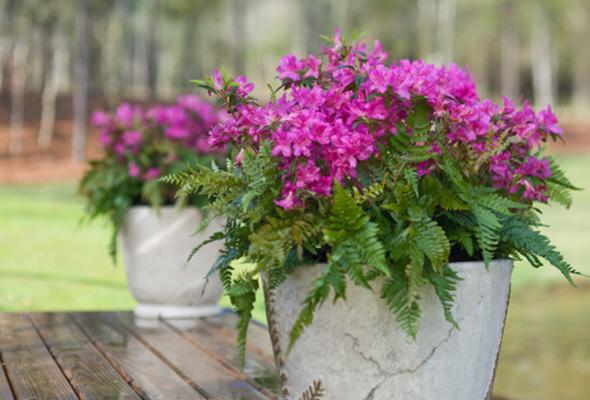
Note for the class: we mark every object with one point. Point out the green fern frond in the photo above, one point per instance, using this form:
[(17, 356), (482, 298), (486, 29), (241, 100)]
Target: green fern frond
[(369, 193), (214, 237), (533, 245), (242, 294), (487, 234), (315, 298), (351, 234), (432, 240), (463, 238), (411, 176), (395, 293), (498, 203), (559, 186), (444, 286)]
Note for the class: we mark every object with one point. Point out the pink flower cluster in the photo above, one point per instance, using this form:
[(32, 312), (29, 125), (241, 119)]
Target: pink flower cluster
[(334, 114), (150, 140)]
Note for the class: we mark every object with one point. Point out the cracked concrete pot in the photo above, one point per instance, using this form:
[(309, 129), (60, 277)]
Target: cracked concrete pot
[(357, 351), (155, 247)]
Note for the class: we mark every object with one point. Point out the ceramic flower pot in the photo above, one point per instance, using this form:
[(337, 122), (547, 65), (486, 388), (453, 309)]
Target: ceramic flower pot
[(356, 350), (155, 247)]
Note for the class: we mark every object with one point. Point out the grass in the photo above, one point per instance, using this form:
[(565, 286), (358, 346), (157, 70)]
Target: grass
[(49, 261)]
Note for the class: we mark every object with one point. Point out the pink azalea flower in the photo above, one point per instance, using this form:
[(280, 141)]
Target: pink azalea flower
[(151, 173), (105, 139), (133, 170), (132, 138), (549, 121), (290, 67), (379, 78), (244, 87), (100, 119), (218, 83)]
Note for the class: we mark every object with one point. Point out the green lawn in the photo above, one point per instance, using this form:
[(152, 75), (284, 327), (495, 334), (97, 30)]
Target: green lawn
[(48, 260)]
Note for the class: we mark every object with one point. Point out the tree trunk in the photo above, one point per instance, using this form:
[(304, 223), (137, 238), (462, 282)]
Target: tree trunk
[(426, 26), (81, 83), (581, 62), (509, 49), (53, 84), (541, 57), (445, 37), (140, 50), (190, 66), (6, 44), (316, 17), (152, 34), (17, 96), (239, 36)]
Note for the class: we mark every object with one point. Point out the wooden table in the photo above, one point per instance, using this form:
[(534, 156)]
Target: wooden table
[(112, 356)]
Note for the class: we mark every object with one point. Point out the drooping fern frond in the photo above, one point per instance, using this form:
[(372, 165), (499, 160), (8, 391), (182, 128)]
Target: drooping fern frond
[(395, 293), (444, 286), (314, 392), (532, 244), (214, 237), (242, 294), (559, 186), (315, 298)]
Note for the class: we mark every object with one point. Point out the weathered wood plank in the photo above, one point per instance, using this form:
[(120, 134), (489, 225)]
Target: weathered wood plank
[(88, 371), (195, 363), (5, 391), (143, 369), (30, 367), (218, 335)]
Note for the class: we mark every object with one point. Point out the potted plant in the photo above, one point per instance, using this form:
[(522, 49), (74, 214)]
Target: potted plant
[(393, 192), (155, 233)]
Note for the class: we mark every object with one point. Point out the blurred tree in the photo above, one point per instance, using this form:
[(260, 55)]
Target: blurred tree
[(579, 15), (81, 67), (55, 48), (509, 49), (541, 55)]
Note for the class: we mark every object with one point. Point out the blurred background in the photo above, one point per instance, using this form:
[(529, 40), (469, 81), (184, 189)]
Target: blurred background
[(62, 59)]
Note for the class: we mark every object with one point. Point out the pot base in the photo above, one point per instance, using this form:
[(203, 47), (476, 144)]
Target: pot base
[(155, 311)]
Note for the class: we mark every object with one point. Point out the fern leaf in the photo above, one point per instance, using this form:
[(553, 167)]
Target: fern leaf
[(395, 293), (444, 286), (212, 238), (533, 245), (487, 234), (242, 294), (315, 298)]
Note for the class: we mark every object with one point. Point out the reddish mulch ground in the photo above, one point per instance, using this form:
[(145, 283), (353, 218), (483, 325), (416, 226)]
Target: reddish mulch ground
[(54, 165)]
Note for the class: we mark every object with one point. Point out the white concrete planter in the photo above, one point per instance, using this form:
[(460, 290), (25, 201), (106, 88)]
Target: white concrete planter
[(155, 247), (357, 351)]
